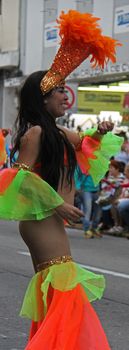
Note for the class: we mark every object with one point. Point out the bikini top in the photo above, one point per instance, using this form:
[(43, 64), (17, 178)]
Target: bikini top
[(37, 166)]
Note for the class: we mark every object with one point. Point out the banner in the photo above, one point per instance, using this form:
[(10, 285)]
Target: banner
[(121, 23), (94, 102), (50, 34)]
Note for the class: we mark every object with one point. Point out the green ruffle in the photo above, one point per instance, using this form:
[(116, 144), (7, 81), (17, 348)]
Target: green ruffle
[(63, 277), (28, 197), (110, 145)]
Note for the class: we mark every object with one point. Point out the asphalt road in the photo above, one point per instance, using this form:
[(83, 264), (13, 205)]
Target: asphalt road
[(107, 255)]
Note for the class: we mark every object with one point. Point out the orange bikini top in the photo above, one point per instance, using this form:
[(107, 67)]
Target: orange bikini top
[(37, 166)]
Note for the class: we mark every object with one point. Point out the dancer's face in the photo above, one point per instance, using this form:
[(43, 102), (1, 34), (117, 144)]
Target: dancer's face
[(57, 102)]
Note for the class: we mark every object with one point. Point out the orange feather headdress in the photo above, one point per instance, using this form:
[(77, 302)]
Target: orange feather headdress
[(81, 37)]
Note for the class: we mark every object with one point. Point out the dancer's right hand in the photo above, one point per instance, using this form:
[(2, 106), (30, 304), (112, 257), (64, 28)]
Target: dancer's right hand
[(69, 212)]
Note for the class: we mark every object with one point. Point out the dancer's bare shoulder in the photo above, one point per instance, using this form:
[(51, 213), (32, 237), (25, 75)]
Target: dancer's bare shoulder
[(30, 144)]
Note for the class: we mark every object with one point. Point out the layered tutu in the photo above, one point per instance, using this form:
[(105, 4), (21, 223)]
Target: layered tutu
[(25, 196), (58, 303)]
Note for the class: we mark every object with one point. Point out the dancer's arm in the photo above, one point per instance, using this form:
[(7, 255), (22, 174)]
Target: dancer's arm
[(28, 154), (75, 137)]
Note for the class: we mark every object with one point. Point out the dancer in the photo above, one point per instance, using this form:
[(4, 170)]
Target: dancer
[(59, 295)]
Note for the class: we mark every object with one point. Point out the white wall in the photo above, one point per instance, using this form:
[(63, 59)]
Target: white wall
[(9, 25), (9, 107), (104, 10), (65, 5), (31, 35)]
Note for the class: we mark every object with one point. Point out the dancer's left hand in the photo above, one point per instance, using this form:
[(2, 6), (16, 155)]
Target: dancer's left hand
[(104, 127)]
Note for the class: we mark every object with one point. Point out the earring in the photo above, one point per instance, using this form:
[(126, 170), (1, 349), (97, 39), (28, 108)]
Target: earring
[(45, 101)]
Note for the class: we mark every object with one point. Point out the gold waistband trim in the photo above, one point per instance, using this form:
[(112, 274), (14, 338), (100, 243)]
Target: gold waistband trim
[(55, 261)]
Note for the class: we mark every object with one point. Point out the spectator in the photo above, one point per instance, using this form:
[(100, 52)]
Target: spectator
[(110, 193), (123, 155), (88, 193), (123, 202)]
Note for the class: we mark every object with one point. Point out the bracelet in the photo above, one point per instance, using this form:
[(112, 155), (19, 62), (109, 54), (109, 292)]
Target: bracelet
[(80, 134)]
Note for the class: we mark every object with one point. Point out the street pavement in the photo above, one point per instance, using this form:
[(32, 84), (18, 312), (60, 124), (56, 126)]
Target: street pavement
[(107, 255)]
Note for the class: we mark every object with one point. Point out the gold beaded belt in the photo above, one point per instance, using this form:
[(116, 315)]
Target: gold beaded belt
[(55, 261)]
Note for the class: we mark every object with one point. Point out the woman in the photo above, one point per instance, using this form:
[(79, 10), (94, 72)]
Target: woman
[(89, 194), (113, 190), (123, 202), (57, 299), (42, 148)]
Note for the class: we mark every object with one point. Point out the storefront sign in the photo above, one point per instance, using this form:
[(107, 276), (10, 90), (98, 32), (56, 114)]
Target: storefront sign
[(93, 102), (109, 69), (13, 82), (121, 24)]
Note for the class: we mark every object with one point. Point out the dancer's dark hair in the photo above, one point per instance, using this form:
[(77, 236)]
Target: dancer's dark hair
[(32, 112)]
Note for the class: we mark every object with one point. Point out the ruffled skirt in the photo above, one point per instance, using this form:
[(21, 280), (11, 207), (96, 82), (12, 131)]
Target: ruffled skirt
[(58, 302)]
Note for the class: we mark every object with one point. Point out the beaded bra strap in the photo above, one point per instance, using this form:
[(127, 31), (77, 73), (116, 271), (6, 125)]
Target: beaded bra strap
[(21, 166)]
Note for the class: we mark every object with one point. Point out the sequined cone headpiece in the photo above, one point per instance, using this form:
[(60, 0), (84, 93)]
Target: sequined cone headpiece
[(81, 36)]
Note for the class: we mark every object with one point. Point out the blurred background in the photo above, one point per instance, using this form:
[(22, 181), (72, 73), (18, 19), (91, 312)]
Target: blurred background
[(28, 42)]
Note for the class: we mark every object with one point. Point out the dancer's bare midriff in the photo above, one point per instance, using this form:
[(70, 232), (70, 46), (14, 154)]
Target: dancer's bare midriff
[(47, 239)]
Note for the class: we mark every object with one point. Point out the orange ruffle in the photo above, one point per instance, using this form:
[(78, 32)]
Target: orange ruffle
[(71, 323), (6, 177), (86, 153)]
